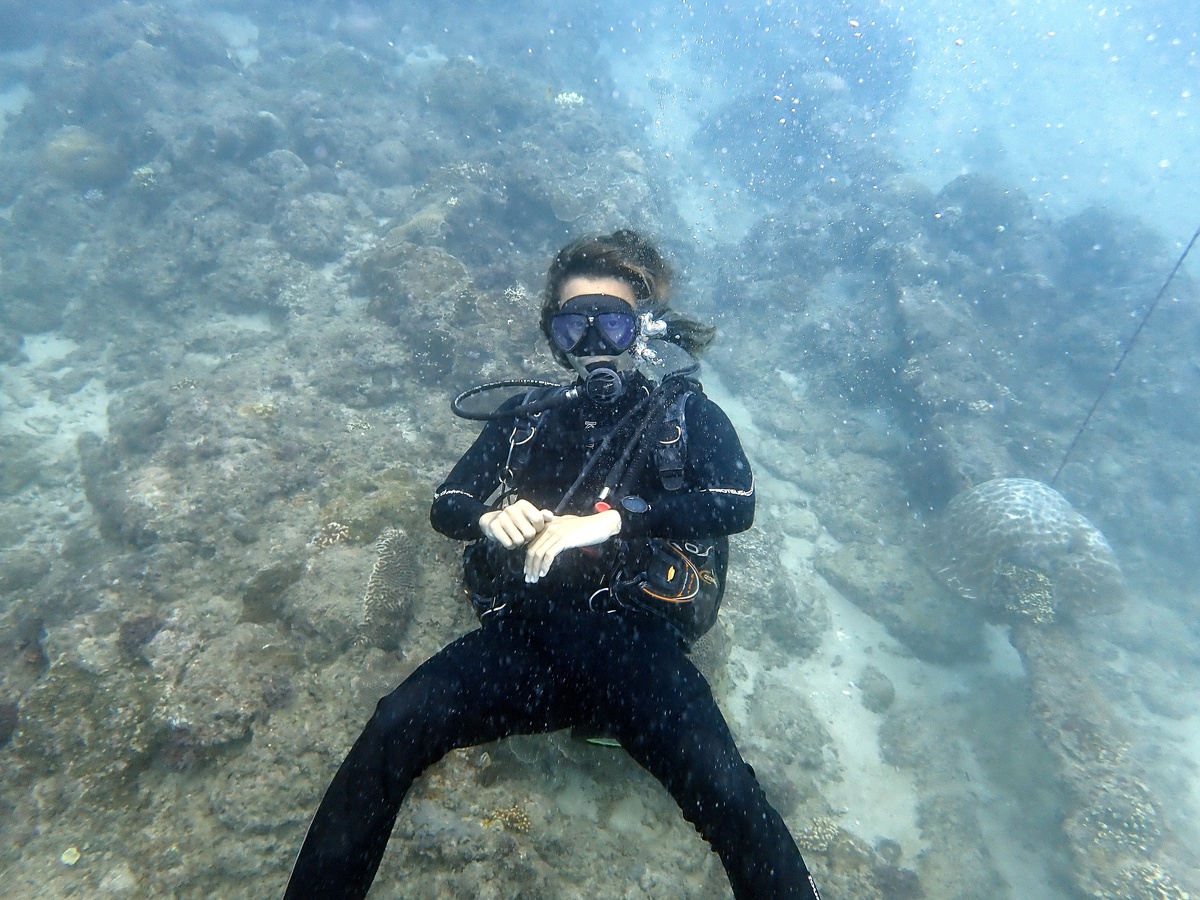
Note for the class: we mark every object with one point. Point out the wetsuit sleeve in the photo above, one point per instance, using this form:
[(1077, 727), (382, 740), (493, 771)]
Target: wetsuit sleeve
[(459, 501), (718, 497)]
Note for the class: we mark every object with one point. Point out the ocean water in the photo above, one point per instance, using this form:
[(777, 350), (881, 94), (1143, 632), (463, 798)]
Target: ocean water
[(248, 253)]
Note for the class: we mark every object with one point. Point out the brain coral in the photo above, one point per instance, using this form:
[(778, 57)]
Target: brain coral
[(390, 588), (1017, 546)]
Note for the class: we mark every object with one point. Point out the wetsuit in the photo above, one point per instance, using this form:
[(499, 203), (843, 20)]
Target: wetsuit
[(553, 660)]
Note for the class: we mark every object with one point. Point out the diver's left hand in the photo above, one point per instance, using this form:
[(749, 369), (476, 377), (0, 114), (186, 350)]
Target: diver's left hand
[(564, 533)]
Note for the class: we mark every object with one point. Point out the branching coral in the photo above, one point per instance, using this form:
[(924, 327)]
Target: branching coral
[(331, 533), (819, 836), (512, 819)]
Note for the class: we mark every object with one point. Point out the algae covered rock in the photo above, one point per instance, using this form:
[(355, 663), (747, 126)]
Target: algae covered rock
[(83, 159), (877, 693), (211, 705), (312, 227), (95, 728)]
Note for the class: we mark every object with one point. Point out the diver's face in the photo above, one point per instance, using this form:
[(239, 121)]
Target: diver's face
[(584, 285)]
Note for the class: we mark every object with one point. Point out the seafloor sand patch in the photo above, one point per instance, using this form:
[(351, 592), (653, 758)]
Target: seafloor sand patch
[(59, 416)]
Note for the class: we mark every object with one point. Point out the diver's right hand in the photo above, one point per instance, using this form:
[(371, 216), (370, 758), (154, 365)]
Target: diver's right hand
[(515, 525)]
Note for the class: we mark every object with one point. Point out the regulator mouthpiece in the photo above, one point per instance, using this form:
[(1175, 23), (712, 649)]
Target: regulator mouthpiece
[(604, 385)]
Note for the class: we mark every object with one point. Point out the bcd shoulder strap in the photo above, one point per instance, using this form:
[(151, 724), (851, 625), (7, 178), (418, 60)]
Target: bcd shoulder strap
[(670, 453), (520, 440)]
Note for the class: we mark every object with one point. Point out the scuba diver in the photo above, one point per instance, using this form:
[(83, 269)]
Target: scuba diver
[(597, 516)]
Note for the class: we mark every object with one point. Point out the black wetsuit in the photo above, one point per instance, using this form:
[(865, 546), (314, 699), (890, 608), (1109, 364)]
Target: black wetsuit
[(552, 661)]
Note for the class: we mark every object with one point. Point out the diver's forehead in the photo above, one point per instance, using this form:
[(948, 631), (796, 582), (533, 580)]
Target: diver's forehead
[(581, 285)]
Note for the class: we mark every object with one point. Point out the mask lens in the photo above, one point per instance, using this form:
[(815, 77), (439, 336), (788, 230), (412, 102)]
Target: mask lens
[(568, 329), (619, 329)]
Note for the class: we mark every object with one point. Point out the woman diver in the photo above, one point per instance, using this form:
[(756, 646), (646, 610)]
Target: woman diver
[(598, 517)]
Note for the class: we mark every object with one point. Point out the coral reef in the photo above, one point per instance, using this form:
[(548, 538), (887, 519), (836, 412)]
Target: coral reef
[(514, 818), (329, 534), (390, 589), (1021, 550), (819, 835), (247, 256), (1119, 833)]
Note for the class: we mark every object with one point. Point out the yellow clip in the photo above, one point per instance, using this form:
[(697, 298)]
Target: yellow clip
[(671, 574)]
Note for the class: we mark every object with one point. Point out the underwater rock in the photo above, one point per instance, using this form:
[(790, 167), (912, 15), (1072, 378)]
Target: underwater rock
[(372, 375), (793, 753), (389, 163), (134, 633), (407, 283), (1104, 250), (339, 71), (33, 281), (1017, 547), (262, 597), (10, 345), (281, 169), (837, 83), (325, 606), (1117, 830), (237, 134), (121, 513), (403, 279), (852, 336), (313, 226), (984, 218), (711, 652), (876, 691), (22, 461), (82, 159), (212, 704), (94, 727), (434, 355), (483, 100), (262, 792), (955, 861), (784, 716), (8, 720), (138, 419), (890, 585), (595, 193), (256, 276), (20, 570), (791, 619)]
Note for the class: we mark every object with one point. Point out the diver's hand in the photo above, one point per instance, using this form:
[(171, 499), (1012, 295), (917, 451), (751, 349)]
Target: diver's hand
[(564, 533), (514, 525)]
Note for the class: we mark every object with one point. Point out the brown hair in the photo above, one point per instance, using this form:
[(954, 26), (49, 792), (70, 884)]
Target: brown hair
[(629, 256)]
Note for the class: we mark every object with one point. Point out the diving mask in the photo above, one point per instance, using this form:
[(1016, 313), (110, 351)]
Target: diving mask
[(594, 325)]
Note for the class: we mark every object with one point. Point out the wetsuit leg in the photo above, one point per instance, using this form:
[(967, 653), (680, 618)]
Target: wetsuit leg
[(659, 706), (485, 686)]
